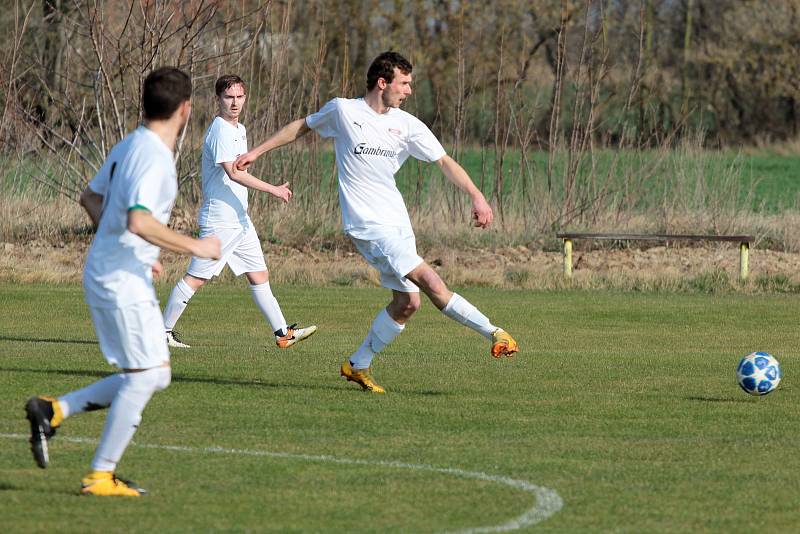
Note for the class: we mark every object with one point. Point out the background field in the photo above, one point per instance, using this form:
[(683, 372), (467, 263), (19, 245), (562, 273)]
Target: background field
[(624, 404), (767, 180)]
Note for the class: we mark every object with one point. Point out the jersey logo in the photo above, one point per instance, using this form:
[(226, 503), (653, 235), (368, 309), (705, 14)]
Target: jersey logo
[(395, 131), (363, 149), (359, 125)]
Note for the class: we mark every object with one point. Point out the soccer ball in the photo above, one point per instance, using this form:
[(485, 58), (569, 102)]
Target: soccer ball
[(759, 373)]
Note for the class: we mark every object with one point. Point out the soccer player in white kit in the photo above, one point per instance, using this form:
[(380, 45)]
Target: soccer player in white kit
[(224, 214), (372, 139), (130, 200)]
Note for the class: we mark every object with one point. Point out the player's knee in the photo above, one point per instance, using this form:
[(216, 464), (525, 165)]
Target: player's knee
[(427, 280), (147, 381), (258, 278), (163, 378), (194, 282), (415, 303), (412, 304), (402, 308)]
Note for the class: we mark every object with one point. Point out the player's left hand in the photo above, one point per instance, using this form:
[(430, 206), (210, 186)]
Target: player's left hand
[(157, 269), (481, 213)]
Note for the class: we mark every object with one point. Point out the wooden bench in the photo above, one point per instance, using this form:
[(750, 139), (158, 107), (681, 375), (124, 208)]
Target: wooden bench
[(743, 240)]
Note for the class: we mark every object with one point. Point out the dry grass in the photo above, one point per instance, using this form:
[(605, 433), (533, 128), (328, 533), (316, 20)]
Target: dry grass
[(704, 269), (46, 241), (28, 218)]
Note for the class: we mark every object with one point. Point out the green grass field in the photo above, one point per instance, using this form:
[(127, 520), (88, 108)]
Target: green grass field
[(624, 406), (764, 181)]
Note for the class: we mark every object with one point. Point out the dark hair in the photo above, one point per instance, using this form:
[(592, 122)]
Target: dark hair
[(383, 67), (163, 91), (228, 81)]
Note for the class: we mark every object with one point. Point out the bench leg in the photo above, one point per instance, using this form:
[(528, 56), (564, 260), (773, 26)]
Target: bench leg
[(744, 261), (568, 258)]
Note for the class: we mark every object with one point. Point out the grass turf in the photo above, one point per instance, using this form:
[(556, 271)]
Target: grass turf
[(624, 404)]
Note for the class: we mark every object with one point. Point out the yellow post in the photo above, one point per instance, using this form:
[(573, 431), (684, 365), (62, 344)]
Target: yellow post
[(744, 261), (568, 258)]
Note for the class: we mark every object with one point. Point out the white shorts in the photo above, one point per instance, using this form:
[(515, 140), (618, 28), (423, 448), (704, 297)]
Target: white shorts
[(241, 251), (394, 256), (131, 337)]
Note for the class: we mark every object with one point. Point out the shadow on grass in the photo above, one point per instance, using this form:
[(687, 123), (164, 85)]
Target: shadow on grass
[(215, 381), (715, 399), (48, 340)]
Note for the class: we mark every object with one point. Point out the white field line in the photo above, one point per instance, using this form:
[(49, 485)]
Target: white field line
[(548, 502)]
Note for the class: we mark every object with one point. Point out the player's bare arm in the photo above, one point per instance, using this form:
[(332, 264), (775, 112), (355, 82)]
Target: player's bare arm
[(481, 211), (93, 204), (289, 133), (248, 180), (143, 224)]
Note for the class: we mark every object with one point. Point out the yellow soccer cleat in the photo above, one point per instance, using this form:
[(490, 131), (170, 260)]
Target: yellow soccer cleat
[(44, 414), (360, 377), (105, 484), (503, 344), (293, 335)]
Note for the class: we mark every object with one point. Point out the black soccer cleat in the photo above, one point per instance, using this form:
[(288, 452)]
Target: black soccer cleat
[(173, 340), (40, 413)]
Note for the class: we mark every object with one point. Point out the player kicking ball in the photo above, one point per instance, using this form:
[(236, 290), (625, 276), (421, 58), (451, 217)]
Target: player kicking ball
[(130, 200), (224, 215), (372, 139)]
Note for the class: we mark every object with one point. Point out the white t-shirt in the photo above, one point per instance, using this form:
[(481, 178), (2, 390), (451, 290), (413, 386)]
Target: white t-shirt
[(370, 148), (139, 173), (224, 201)]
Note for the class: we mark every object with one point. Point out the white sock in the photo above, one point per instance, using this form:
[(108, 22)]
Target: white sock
[(178, 300), (459, 309), (126, 413), (270, 309), (382, 332), (96, 396)]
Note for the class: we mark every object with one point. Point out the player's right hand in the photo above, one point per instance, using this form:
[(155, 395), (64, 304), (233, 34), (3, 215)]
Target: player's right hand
[(208, 247), (157, 268), (244, 161), (283, 192), (482, 214)]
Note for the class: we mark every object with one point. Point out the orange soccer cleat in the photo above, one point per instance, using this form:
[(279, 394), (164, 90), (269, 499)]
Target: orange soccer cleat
[(503, 344)]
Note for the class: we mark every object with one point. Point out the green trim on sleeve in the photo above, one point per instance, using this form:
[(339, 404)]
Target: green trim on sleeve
[(138, 207)]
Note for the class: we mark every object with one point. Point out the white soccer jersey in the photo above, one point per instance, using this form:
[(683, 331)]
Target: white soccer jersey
[(139, 173), (224, 201), (370, 148)]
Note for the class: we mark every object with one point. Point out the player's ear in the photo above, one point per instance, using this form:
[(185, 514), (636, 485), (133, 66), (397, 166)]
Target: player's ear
[(185, 110)]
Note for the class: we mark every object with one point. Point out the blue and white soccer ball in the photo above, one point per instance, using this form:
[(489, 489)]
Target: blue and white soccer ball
[(759, 373)]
